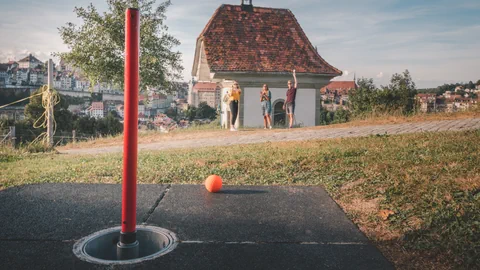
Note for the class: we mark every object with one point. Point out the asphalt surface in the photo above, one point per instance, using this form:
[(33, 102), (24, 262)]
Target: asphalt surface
[(242, 227)]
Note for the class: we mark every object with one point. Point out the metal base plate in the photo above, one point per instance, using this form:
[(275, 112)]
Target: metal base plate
[(101, 247)]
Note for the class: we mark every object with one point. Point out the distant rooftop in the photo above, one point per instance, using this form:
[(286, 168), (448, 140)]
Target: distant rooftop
[(342, 86), (205, 87), (30, 58)]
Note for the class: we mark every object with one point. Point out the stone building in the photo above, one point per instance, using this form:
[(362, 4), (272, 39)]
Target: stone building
[(208, 92), (256, 46)]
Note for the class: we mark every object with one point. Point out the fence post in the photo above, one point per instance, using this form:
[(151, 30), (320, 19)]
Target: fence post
[(12, 135), (49, 114), (74, 133)]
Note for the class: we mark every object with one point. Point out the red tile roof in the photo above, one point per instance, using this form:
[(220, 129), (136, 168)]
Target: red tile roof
[(339, 86), (97, 105), (426, 96), (158, 96), (421, 95), (265, 40), (205, 87)]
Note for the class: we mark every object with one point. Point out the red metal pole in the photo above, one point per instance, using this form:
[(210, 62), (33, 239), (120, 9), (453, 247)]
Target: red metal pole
[(130, 128)]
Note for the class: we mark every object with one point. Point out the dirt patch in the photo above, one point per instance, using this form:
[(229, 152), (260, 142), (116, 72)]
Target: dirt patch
[(201, 163), (365, 213), (469, 183), (353, 184), (403, 259), (365, 207), (415, 223), (231, 163)]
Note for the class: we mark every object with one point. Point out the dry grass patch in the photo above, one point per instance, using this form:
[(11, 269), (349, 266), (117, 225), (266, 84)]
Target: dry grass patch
[(468, 183)]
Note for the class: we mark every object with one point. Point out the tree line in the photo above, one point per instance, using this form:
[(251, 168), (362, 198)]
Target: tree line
[(440, 90), (396, 97)]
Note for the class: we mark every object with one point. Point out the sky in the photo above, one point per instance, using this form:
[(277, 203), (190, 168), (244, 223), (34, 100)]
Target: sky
[(437, 41)]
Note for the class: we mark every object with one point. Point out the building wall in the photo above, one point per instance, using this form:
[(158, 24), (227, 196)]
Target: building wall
[(304, 107), (217, 97), (22, 76), (141, 109), (208, 97), (96, 113), (33, 77), (27, 64), (24, 64), (41, 78), (81, 85), (203, 71)]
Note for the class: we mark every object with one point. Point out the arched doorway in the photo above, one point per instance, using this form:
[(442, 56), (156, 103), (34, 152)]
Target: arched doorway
[(278, 113)]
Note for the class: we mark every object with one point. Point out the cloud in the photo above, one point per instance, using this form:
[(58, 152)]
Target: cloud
[(362, 36)]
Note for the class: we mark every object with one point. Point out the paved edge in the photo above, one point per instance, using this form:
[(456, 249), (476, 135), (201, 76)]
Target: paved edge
[(296, 135)]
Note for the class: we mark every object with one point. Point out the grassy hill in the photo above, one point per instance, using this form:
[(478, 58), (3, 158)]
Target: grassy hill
[(416, 196)]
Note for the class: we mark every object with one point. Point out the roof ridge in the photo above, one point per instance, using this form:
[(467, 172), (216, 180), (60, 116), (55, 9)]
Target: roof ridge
[(231, 5)]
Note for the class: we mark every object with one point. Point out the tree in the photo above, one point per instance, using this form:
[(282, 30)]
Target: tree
[(400, 93), (471, 85), (108, 126), (171, 112), (205, 111), (362, 99), (323, 116), (13, 94), (191, 112), (97, 46), (115, 115), (76, 100), (85, 125), (96, 97), (341, 116)]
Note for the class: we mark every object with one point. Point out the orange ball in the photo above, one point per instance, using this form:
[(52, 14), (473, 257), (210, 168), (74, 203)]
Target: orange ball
[(213, 183)]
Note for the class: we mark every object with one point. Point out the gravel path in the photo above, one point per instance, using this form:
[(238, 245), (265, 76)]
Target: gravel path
[(296, 135)]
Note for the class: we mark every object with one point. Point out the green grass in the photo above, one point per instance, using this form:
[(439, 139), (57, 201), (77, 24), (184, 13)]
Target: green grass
[(431, 182)]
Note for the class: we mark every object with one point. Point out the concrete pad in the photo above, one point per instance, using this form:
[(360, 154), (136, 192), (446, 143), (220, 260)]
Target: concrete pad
[(241, 228), (289, 214), (67, 211), (58, 255)]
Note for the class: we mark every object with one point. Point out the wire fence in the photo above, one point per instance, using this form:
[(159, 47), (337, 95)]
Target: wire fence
[(4, 135), (22, 136)]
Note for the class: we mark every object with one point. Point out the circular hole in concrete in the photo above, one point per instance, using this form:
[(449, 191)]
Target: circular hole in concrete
[(101, 247)]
